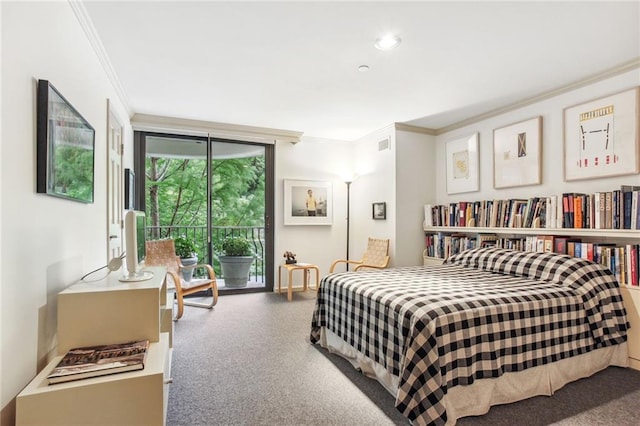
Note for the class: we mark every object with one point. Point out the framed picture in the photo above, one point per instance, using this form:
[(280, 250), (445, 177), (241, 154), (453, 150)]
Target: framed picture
[(129, 189), (379, 211), (307, 202), (65, 148), (517, 154), (601, 137), (462, 164)]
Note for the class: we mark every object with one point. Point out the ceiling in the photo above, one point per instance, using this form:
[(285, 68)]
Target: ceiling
[(294, 65)]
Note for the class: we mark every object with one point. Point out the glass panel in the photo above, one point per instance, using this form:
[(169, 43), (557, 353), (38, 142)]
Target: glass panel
[(176, 190), (238, 206)]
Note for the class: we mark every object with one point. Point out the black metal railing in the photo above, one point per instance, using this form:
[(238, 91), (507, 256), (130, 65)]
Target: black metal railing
[(198, 234)]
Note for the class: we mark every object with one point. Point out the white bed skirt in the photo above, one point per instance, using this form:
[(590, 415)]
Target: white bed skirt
[(477, 398)]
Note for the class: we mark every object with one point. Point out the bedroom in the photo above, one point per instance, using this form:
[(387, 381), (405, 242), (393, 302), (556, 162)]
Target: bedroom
[(56, 248)]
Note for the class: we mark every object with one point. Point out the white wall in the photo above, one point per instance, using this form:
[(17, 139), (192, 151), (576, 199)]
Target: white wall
[(375, 182), (47, 243), (415, 187), (402, 176), (312, 159), (551, 111)]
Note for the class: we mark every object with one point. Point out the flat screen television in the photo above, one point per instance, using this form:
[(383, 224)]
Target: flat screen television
[(135, 223)]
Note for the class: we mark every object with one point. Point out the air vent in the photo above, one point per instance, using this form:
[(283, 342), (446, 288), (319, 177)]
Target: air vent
[(383, 144)]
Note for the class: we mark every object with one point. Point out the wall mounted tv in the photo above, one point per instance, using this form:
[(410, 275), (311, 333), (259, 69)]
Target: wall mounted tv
[(65, 147)]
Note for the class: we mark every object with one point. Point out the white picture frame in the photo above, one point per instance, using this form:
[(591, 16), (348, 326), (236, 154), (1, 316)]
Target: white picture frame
[(601, 137), (462, 164), (297, 211), (517, 154)]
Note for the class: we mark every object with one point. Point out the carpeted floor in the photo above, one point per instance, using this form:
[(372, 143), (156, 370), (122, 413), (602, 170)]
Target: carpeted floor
[(249, 362)]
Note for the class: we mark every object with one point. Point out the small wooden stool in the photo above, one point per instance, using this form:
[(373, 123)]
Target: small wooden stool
[(305, 268)]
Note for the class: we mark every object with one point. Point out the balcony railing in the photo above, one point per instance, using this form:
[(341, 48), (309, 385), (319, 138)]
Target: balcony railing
[(255, 235)]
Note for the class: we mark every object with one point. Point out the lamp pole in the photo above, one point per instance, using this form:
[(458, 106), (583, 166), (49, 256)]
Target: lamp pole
[(348, 195)]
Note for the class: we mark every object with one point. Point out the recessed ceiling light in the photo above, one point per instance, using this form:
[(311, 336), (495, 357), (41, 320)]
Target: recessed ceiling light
[(363, 68), (388, 42)]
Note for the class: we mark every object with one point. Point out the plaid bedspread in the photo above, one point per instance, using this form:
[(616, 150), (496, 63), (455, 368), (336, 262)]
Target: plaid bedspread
[(483, 313)]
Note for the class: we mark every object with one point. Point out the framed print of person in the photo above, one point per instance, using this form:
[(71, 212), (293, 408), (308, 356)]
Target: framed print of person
[(307, 202)]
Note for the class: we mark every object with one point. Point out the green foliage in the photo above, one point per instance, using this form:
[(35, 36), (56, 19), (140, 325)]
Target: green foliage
[(73, 174), (177, 192), (176, 197), (236, 246), (184, 247), (238, 192)]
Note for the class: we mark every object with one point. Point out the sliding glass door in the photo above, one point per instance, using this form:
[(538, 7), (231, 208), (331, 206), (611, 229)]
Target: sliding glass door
[(206, 190)]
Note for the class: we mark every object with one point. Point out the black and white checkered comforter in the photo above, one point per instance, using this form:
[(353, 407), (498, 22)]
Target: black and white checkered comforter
[(481, 314)]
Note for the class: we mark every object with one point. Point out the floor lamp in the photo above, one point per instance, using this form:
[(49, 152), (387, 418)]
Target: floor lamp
[(348, 195)]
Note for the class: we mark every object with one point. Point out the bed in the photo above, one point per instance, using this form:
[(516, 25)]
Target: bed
[(489, 326)]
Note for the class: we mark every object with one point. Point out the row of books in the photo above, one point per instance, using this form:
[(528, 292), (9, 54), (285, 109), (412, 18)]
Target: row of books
[(622, 260), (617, 209), (443, 245)]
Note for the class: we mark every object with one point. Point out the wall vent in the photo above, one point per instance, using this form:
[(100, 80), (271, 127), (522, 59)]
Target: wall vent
[(384, 144)]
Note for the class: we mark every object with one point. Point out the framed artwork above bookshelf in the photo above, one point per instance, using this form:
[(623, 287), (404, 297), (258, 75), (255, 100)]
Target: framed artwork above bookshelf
[(517, 154), (462, 164), (601, 137)]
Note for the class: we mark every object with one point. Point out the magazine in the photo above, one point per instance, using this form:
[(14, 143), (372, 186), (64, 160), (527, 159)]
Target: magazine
[(93, 361)]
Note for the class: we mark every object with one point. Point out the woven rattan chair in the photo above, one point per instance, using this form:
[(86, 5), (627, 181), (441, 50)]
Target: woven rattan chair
[(376, 256), (163, 253)]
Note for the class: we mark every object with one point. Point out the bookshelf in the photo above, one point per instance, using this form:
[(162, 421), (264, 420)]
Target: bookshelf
[(103, 312)]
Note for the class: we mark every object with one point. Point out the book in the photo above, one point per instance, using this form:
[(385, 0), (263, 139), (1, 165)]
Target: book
[(577, 211), (608, 210), (462, 212), (560, 245), (567, 209), (94, 361), (626, 204), (428, 215)]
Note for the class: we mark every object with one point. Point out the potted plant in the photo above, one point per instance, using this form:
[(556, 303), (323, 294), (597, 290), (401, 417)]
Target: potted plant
[(236, 261), (186, 251)]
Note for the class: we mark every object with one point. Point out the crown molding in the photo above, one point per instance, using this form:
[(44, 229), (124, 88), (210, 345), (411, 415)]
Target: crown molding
[(592, 79), (415, 129), (87, 25), (146, 122)]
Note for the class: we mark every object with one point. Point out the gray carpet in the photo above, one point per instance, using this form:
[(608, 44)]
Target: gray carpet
[(249, 362)]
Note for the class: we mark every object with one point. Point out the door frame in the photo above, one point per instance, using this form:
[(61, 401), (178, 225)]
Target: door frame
[(139, 152), (115, 188)]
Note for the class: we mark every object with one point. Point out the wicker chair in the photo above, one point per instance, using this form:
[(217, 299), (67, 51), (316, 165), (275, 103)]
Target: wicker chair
[(376, 256), (163, 253)]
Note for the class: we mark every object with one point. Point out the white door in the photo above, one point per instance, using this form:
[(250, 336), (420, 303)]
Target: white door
[(115, 197)]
